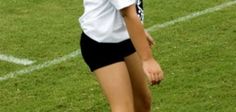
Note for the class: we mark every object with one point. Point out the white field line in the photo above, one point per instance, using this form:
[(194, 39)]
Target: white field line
[(40, 66), (191, 16), (77, 52), (15, 60)]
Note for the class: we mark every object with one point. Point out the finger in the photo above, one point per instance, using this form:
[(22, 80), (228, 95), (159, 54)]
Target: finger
[(153, 83), (149, 38), (148, 76), (152, 40), (158, 78), (153, 78), (161, 75), (149, 42), (158, 82)]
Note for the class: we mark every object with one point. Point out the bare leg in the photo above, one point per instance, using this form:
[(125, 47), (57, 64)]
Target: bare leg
[(115, 82), (141, 92)]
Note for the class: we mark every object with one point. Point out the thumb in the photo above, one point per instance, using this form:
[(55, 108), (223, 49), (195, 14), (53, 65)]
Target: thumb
[(149, 77)]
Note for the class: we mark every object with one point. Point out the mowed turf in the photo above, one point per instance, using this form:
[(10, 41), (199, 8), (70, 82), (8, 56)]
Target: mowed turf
[(198, 57)]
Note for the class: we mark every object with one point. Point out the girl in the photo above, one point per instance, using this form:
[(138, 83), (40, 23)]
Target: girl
[(116, 48)]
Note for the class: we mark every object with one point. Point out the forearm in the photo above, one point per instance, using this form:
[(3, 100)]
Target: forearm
[(137, 33)]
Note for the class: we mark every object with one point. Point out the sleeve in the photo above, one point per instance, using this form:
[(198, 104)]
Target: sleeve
[(120, 4)]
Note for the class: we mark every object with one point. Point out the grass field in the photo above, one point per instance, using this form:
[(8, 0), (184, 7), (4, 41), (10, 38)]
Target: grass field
[(198, 56)]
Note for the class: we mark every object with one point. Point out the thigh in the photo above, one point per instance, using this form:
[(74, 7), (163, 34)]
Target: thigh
[(115, 82), (97, 55), (137, 76)]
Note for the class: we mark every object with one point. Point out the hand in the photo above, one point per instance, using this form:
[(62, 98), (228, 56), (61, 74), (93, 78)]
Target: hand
[(153, 71), (149, 39)]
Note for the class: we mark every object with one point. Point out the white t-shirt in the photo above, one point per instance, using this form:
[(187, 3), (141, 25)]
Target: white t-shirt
[(102, 20)]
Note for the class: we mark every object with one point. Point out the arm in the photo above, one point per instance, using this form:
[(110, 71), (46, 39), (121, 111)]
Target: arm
[(150, 40), (136, 31)]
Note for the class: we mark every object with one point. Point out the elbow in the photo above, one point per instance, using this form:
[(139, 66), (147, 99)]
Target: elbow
[(128, 11), (124, 12)]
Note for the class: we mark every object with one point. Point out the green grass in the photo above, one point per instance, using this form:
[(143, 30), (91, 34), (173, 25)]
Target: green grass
[(198, 57)]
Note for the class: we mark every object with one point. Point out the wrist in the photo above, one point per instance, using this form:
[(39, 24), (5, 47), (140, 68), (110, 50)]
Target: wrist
[(147, 56)]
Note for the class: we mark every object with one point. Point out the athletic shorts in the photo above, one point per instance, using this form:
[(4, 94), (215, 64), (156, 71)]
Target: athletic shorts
[(98, 55)]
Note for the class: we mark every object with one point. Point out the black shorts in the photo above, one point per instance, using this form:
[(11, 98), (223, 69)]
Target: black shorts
[(98, 55)]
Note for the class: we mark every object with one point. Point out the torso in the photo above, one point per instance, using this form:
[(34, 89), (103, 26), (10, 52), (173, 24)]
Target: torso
[(103, 22)]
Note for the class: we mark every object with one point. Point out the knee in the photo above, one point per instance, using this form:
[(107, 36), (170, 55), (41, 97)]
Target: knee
[(143, 103), (147, 102), (123, 108)]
